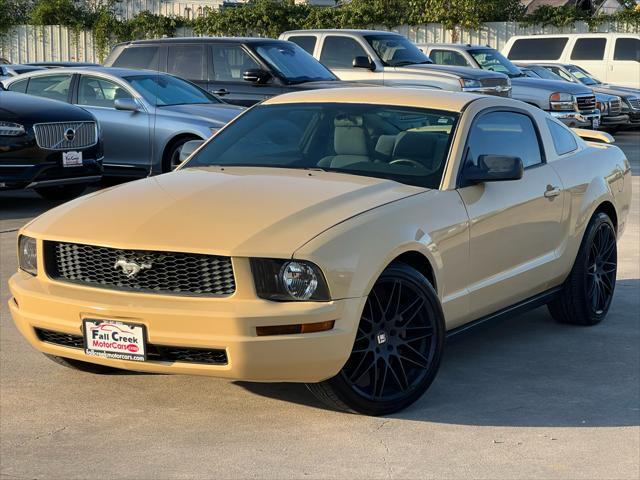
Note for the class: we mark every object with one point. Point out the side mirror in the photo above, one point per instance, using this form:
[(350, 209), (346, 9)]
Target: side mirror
[(363, 62), (256, 75), (494, 168), (188, 148), (127, 104)]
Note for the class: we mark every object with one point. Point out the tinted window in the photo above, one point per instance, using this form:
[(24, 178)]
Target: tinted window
[(229, 62), (504, 133), (589, 49), (20, 86), (163, 90), (563, 139), (138, 57), (339, 52), (408, 145), (560, 73), (307, 43), (396, 50), (627, 49), (55, 87), (538, 48), (97, 92), (448, 57), (187, 61), (293, 64)]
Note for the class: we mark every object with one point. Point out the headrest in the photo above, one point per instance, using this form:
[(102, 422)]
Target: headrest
[(349, 141), (348, 121)]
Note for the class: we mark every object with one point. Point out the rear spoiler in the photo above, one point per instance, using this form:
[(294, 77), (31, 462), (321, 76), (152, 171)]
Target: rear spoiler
[(594, 135)]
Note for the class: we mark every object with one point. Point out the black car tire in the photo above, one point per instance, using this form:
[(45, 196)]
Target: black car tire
[(587, 293), (82, 366), (402, 341), (171, 158), (61, 192)]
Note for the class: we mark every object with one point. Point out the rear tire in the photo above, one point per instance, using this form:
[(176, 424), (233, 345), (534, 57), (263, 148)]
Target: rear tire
[(60, 192), (397, 351), (82, 366), (587, 293)]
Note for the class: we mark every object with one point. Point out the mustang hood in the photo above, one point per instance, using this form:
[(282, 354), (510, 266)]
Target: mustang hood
[(235, 211)]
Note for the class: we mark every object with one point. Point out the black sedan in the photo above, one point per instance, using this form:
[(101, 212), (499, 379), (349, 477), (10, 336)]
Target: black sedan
[(50, 146)]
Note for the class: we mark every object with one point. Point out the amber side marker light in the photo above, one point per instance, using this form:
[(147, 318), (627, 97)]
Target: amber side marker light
[(296, 328)]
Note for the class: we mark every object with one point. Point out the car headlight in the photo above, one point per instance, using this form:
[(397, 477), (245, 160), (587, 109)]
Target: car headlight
[(561, 101), (603, 107), (10, 129), (470, 83), (28, 254), (289, 280)]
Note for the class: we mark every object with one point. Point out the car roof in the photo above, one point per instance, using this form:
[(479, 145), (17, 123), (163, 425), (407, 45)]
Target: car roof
[(406, 97), (343, 30), (203, 40), (115, 71)]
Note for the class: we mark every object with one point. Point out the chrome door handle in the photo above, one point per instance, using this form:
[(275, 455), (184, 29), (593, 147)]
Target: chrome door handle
[(551, 192), (222, 92)]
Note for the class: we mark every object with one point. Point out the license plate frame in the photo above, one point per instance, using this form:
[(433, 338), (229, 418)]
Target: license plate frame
[(72, 159), (129, 342), (595, 123)]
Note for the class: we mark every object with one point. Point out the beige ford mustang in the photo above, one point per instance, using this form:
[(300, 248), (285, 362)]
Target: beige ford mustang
[(330, 237)]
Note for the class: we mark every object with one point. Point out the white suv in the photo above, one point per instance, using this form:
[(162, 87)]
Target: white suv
[(611, 57)]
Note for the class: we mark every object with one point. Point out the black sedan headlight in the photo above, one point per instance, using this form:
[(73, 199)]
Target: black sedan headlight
[(10, 129), (28, 254), (289, 280)]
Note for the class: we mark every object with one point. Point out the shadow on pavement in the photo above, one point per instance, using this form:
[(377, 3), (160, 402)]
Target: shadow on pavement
[(529, 371)]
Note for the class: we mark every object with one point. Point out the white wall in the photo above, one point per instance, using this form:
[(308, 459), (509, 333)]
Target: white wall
[(31, 44)]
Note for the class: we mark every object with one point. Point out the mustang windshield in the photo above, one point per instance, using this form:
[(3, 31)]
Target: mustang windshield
[(408, 145), (165, 90)]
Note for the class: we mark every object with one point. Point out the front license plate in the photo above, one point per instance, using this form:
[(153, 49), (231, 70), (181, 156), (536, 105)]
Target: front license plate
[(109, 339), (71, 159), (596, 123)]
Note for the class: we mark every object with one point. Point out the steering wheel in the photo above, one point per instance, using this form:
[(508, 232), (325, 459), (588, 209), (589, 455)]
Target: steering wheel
[(407, 161)]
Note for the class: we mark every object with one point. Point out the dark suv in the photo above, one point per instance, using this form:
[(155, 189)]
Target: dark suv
[(243, 71)]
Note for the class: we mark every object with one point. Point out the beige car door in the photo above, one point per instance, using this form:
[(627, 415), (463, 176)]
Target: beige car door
[(516, 227)]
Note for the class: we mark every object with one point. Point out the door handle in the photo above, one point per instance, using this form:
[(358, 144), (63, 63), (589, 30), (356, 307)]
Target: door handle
[(551, 192), (221, 91)]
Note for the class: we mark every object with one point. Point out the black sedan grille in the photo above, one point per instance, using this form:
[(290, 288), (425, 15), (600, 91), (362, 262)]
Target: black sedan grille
[(159, 353), (65, 135), (141, 271), (586, 102)]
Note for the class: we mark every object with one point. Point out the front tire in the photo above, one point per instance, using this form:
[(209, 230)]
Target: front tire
[(82, 366), (61, 192), (397, 350), (171, 159), (587, 293)]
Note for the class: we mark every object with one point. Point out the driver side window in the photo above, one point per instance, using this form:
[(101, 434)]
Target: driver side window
[(504, 133), (339, 52)]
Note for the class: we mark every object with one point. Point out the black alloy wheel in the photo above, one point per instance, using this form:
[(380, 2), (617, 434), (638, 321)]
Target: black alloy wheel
[(588, 291), (397, 350)]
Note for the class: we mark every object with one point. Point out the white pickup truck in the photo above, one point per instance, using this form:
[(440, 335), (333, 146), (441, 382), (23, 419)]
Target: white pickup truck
[(387, 58)]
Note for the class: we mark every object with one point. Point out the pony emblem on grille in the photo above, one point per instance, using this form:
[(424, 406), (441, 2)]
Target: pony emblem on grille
[(131, 268)]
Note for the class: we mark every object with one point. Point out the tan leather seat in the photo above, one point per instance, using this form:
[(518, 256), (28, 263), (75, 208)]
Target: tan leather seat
[(349, 143)]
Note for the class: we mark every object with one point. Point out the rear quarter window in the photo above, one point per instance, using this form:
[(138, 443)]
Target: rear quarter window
[(538, 48), (138, 57), (19, 86), (563, 139), (627, 49)]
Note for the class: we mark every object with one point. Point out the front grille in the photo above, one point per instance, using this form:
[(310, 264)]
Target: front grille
[(586, 102), (615, 107), (493, 82), (58, 136), (59, 338), (634, 102), (157, 272), (158, 353)]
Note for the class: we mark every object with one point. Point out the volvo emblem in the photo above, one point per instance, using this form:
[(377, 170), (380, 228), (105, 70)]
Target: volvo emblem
[(131, 268), (69, 134)]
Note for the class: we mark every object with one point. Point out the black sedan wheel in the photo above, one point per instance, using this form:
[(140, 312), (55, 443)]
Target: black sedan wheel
[(587, 293), (397, 350)]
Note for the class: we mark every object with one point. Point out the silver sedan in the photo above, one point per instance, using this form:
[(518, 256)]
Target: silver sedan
[(145, 117)]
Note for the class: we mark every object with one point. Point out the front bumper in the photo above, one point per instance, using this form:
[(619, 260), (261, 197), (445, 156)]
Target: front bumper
[(46, 174), (607, 121), (495, 91), (575, 119), (217, 323)]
